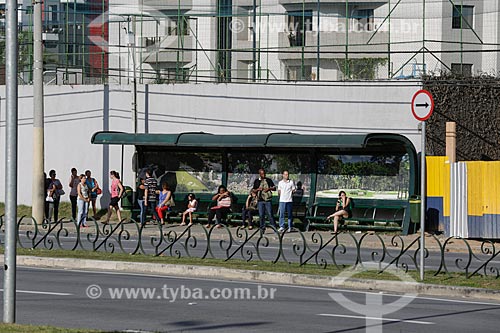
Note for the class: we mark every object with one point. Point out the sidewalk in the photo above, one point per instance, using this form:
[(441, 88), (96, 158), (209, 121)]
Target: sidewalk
[(369, 240)]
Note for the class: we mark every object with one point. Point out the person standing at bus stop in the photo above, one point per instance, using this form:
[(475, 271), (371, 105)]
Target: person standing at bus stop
[(74, 181), (151, 187), (286, 188), (264, 186)]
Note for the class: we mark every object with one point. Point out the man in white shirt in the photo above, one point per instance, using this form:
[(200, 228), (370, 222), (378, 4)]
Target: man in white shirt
[(286, 187)]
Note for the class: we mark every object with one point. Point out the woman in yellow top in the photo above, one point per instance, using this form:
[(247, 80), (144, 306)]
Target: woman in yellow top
[(343, 209)]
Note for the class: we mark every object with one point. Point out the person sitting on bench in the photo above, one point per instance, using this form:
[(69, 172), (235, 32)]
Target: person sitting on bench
[(223, 207), (342, 210)]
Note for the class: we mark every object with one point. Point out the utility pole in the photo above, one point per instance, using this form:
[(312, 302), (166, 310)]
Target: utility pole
[(38, 192), (131, 47), (318, 53), (11, 58), (254, 41)]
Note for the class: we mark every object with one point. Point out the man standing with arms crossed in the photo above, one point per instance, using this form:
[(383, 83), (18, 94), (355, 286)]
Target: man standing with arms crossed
[(264, 186), (286, 187)]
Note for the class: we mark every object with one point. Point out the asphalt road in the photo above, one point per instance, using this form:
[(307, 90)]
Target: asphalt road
[(58, 297)]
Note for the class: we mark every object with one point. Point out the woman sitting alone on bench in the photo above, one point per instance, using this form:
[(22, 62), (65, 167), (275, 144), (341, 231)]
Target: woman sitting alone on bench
[(343, 210), (191, 208)]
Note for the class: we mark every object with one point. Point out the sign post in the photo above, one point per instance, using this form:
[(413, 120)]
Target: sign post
[(422, 105)]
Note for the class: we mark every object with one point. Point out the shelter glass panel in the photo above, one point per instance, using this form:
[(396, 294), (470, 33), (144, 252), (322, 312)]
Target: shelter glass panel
[(364, 176), (186, 172), (243, 169)]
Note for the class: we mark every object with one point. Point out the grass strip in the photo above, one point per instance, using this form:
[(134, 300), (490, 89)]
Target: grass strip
[(64, 211), (18, 328), (451, 279)]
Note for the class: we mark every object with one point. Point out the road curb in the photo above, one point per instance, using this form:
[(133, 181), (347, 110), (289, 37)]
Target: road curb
[(213, 272)]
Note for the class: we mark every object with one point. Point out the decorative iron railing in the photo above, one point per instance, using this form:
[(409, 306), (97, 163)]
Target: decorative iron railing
[(446, 255)]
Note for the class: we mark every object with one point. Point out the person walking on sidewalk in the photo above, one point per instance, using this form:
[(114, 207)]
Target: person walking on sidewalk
[(116, 193), (286, 187), (83, 201), (264, 186)]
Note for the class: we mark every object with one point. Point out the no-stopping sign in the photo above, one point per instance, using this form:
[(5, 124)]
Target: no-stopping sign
[(422, 105)]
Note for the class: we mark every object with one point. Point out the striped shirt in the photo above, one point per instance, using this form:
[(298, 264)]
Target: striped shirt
[(151, 185)]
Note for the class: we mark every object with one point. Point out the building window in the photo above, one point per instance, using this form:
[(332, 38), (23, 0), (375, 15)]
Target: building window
[(176, 29), (53, 13), (152, 41), (299, 73), (465, 21), (462, 69), (298, 23), (363, 20)]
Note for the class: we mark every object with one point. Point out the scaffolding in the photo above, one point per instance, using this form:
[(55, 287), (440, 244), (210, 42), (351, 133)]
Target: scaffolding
[(174, 41)]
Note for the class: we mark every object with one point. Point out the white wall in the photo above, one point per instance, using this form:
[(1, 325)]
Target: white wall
[(73, 114)]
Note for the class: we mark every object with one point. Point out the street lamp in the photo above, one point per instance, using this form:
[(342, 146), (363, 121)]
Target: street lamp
[(130, 36)]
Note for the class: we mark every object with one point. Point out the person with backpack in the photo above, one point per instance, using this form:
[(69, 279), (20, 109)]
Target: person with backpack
[(343, 210), (250, 209)]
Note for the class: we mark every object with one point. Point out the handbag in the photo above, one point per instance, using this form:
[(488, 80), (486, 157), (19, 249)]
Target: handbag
[(98, 191), (224, 202), (61, 192)]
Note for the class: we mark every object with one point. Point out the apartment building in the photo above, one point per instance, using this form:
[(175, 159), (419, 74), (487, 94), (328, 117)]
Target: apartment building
[(162, 41)]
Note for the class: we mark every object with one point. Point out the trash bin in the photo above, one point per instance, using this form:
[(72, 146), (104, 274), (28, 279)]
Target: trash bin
[(127, 198), (415, 206)]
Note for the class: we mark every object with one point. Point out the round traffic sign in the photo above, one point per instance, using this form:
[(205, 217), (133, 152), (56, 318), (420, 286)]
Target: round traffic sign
[(422, 105)]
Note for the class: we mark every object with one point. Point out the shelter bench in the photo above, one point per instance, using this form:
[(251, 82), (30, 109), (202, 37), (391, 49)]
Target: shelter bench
[(378, 216)]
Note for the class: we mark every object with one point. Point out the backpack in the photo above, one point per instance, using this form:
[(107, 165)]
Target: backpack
[(265, 196)]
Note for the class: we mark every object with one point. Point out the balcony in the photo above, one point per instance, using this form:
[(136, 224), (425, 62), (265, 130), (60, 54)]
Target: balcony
[(245, 3), (166, 51), (332, 45), (243, 50), (357, 2), (169, 5)]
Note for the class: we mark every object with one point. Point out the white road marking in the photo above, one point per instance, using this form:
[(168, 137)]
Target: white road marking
[(375, 318), (41, 292)]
